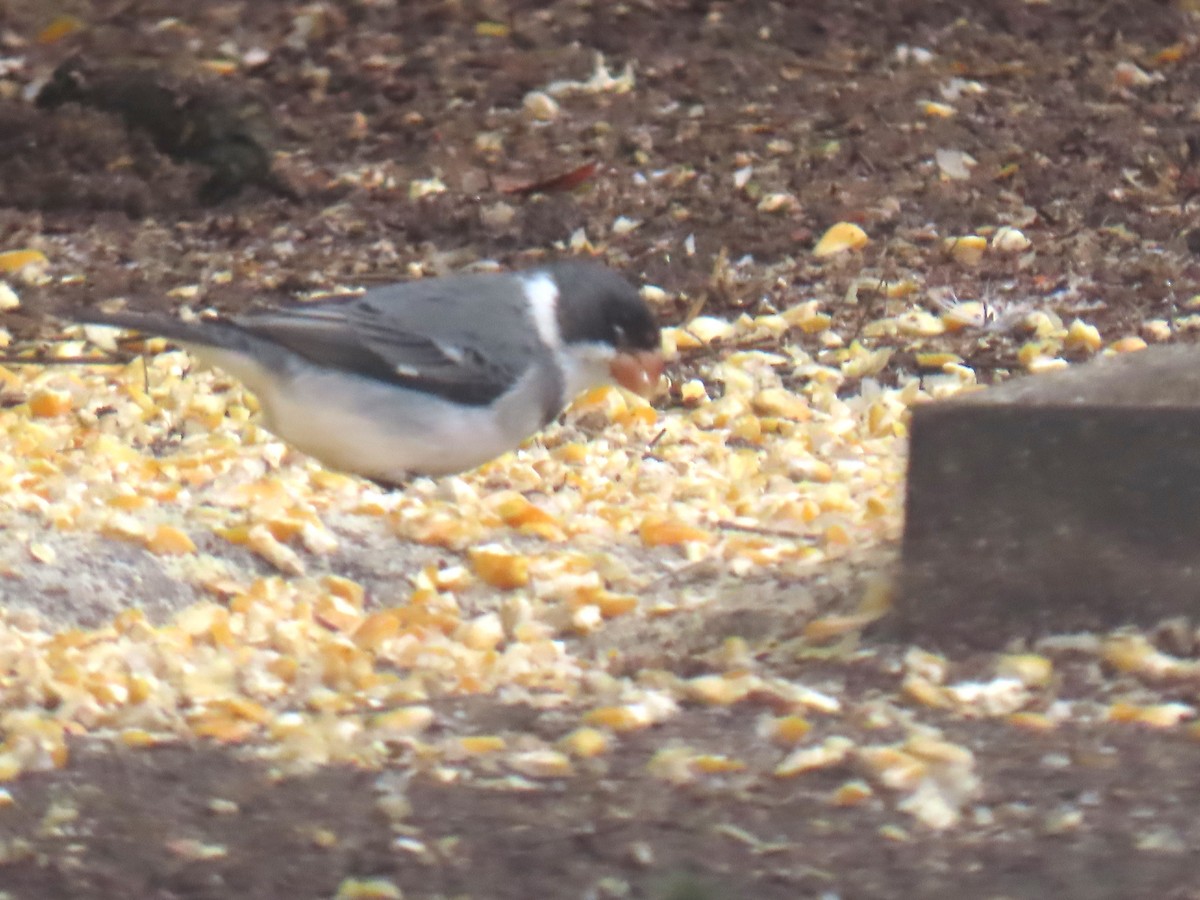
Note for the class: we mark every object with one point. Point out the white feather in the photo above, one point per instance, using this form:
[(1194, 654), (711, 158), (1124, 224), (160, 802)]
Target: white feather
[(543, 305)]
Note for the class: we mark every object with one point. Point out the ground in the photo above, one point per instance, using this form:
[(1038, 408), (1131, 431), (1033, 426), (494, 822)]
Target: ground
[(626, 661)]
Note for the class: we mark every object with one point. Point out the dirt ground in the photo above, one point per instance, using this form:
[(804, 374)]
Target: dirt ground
[(749, 129)]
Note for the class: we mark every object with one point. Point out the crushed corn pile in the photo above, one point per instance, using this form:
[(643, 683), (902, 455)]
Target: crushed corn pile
[(170, 459)]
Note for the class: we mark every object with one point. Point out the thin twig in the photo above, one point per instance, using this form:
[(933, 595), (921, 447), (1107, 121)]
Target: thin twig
[(13, 359), (759, 530)]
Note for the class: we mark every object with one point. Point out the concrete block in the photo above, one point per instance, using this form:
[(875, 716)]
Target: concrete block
[(1055, 503)]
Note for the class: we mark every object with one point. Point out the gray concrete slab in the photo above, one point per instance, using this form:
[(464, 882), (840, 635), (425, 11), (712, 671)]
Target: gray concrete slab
[(1053, 504)]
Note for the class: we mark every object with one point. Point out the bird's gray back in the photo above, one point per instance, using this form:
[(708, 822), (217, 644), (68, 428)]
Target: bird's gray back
[(464, 337), (472, 308)]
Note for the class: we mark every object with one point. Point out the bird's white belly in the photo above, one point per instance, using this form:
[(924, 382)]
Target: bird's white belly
[(425, 443), (381, 430)]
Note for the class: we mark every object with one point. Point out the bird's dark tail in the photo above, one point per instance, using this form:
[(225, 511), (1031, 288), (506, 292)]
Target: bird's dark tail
[(208, 332), (222, 334)]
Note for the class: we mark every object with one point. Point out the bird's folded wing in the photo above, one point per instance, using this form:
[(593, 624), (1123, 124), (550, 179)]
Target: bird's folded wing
[(411, 344)]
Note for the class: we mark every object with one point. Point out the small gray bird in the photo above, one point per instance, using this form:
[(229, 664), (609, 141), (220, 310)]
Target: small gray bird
[(428, 377)]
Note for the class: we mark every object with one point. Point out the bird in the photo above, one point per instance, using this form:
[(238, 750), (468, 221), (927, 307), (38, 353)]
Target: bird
[(428, 377)]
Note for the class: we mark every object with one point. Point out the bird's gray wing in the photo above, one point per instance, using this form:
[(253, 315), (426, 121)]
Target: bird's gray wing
[(467, 338)]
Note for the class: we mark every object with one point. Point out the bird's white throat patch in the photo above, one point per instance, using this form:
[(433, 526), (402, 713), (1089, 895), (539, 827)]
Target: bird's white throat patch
[(585, 366), (543, 306)]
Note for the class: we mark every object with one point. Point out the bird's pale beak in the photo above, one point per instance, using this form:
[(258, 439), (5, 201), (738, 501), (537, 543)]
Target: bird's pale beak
[(638, 372)]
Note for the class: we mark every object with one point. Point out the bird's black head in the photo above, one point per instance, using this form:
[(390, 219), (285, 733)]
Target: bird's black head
[(596, 305)]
